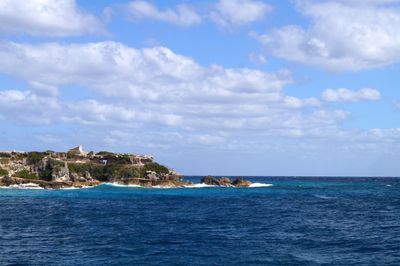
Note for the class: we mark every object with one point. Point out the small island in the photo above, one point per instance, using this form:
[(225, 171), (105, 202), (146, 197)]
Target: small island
[(78, 168)]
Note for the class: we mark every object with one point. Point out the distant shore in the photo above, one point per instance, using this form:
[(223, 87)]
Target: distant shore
[(77, 168)]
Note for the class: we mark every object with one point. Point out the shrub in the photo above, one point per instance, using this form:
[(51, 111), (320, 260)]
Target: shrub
[(105, 153), (46, 173), (5, 155), (97, 171), (120, 171), (35, 157), (18, 156), (25, 174), (3, 172), (158, 168)]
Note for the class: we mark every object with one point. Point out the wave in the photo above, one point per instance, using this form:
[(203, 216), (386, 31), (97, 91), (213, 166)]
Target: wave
[(199, 185), (120, 185), (163, 187), (24, 186), (324, 197), (260, 185), (73, 188)]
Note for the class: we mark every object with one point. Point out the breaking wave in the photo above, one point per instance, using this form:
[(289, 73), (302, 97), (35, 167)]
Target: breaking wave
[(199, 185), (120, 185), (24, 186), (260, 185)]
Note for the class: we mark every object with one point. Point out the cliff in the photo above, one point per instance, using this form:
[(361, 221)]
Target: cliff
[(77, 168)]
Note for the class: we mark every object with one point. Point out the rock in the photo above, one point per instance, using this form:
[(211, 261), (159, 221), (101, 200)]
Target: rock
[(225, 181), (241, 182), (60, 174), (173, 177), (81, 179), (88, 176), (74, 177), (7, 181), (151, 175), (210, 180)]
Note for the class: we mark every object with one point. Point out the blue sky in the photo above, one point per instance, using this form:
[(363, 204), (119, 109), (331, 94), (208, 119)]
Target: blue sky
[(228, 87)]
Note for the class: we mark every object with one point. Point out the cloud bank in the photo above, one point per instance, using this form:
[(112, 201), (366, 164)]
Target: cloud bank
[(155, 86), (342, 35), (57, 18)]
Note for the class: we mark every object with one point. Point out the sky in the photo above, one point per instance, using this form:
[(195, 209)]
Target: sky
[(224, 87)]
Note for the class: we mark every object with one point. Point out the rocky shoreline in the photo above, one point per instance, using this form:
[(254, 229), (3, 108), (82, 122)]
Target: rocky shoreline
[(225, 181), (77, 169), (16, 182)]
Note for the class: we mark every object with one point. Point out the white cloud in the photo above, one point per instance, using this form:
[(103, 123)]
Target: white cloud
[(346, 95), (234, 13), (46, 18), (155, 87), (183, 15), (343, 35), (25, 106)]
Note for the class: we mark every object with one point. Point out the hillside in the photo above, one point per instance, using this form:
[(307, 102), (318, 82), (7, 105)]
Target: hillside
[(77, 168)]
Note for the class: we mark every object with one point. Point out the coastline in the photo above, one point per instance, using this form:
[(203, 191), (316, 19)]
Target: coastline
[(23, 183)]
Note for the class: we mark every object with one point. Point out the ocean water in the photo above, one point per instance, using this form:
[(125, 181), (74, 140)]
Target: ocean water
[(294, 221)]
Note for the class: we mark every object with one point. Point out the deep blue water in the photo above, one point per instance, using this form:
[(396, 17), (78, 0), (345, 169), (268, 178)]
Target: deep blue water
[(297, 221)]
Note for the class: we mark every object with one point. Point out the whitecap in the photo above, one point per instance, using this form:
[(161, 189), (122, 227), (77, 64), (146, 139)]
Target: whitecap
[(163, 187), (324, 197), (121, 185), (200, 185), (389, 185), (72, 188), (260, 185), (24, 186)]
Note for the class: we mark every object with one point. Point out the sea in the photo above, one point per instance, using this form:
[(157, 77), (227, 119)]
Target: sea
[(278, 221)]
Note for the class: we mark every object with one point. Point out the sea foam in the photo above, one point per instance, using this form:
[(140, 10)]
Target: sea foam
[(121, 185), (24, 186), (260, 185), (199, 185)]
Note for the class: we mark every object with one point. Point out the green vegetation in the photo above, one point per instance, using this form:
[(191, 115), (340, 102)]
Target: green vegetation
[(71, 155), (122, 171), (46, 173), (3, 172), (114, 170), (26, 174), (19, 157), (105, 153), (35, 157), (95, 170), (5, 155), (118, 166), (158, 168)]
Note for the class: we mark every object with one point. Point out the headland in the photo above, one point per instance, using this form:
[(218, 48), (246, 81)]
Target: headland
[(78, 168)]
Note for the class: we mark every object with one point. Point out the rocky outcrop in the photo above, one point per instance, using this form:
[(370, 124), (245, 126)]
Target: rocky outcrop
[(60, 174), (241, 182), (151, 175), (50, 169), (210, 180), (144, 182), (225, 181)]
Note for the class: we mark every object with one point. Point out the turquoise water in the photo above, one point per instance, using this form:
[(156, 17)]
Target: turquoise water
[(297, 221)]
